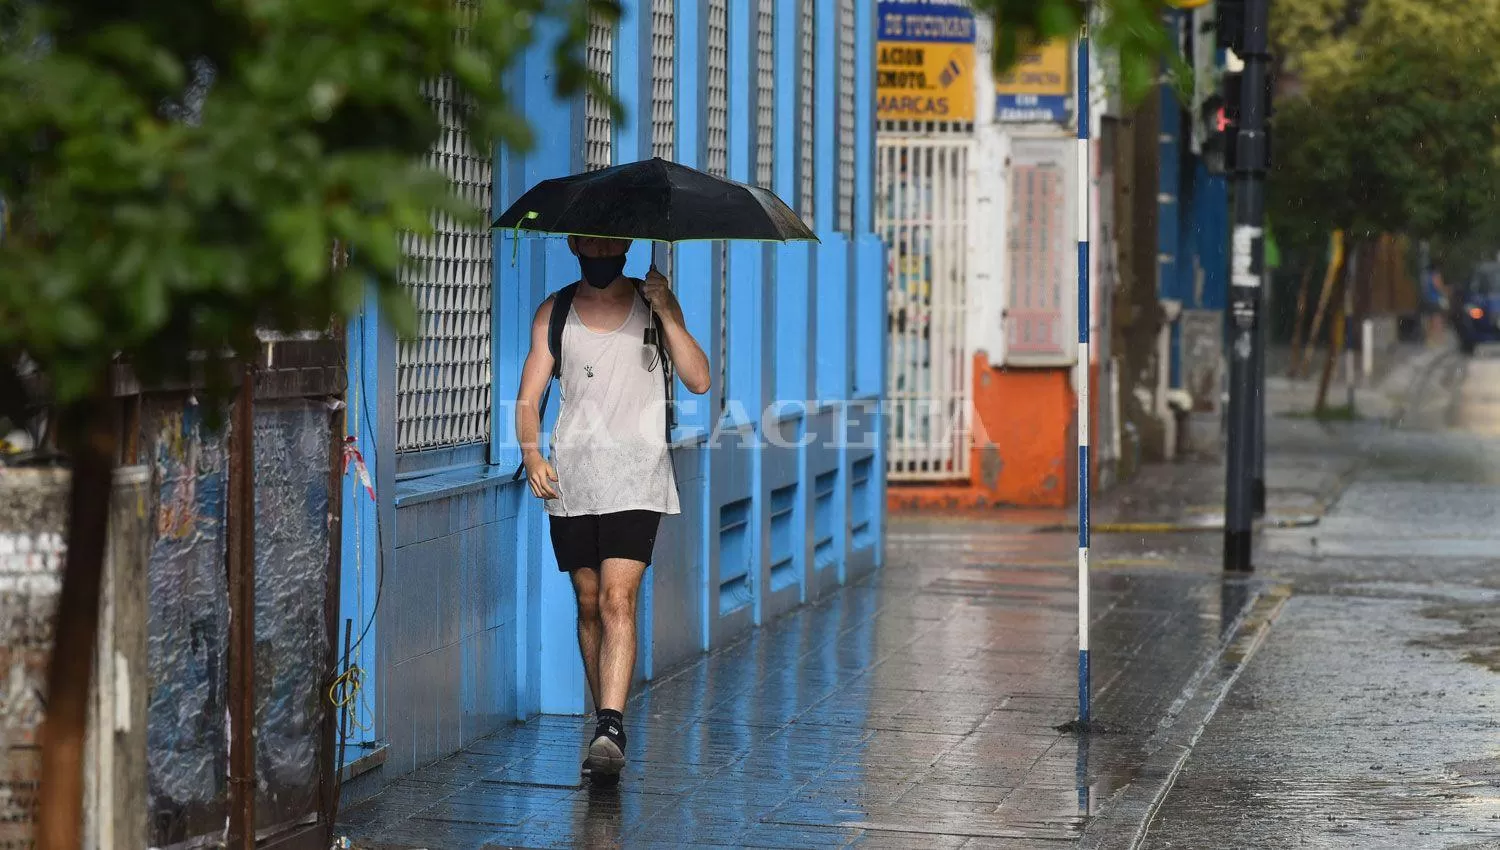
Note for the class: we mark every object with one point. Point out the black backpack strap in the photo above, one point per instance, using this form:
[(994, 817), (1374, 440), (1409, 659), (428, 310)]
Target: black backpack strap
[(656, 337), (562, 304)]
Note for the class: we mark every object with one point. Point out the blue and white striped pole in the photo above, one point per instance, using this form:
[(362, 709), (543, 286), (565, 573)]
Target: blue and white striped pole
[(1085, 174)]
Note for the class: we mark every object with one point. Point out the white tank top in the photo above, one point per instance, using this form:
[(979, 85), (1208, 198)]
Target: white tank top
[(610, 447)]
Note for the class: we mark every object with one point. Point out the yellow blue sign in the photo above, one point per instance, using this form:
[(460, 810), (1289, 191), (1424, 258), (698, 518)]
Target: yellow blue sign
[(924, 67), (1039, 87)]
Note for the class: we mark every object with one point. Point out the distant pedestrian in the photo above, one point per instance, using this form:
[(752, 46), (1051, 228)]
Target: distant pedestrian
[(1435, 307), (610, 477)]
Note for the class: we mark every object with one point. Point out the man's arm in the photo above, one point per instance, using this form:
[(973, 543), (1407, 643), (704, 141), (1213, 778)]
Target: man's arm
[(687, 355), (534, 377)]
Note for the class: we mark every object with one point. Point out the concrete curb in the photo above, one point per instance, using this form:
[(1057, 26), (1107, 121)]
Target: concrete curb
[(1189, 525), (1125, 819)]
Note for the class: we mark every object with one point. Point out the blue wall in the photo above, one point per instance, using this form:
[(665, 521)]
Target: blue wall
[(1193, 221), (475, 625)]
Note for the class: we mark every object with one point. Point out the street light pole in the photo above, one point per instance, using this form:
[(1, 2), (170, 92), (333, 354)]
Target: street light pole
[(1247, 262)]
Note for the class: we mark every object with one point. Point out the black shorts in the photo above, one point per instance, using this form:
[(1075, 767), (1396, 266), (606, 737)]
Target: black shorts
[(589, 540)]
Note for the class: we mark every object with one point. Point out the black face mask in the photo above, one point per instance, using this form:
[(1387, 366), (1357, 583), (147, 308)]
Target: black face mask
[(600, 272)]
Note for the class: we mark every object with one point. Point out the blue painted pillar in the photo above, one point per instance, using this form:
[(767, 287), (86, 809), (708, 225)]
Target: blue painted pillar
[(359, 573), (832, 339), (1169, 206), (1211, 210), (746, 259), (794, 330), (749, 314), (870, 305), (869, 278), (548, 648)]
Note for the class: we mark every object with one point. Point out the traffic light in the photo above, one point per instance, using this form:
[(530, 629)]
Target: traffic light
[(1229, 119), (1229, 116)]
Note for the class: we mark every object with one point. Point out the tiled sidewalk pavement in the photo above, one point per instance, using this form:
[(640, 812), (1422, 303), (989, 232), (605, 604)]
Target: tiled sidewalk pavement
[(914, 709)]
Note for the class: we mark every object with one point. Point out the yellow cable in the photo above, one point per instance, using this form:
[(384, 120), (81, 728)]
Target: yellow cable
[(348, 689)]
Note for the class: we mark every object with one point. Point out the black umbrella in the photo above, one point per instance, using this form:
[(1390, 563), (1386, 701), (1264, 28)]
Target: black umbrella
[(654, 200)]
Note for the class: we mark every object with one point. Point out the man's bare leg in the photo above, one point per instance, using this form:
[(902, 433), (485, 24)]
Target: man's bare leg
[(620, 581), (590, 626), (621, 585)]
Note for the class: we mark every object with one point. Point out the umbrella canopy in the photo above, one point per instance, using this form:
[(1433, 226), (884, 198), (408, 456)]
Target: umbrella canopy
[(654, 200)]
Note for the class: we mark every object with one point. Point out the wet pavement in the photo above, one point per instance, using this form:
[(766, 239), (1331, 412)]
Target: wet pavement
[(1371, 716), (916, 709)]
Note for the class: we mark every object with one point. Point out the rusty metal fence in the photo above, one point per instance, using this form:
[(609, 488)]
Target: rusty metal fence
[(219, 639)]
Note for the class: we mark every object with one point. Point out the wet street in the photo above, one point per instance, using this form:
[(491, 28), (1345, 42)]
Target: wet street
[(1370, 718), (918, 709), (1345, 695)]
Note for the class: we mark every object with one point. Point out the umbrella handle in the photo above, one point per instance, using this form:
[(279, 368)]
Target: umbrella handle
[(515, 237)]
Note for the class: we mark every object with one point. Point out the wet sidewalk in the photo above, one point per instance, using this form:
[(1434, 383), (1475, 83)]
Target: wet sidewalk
[(918, 708), (1308, 466)]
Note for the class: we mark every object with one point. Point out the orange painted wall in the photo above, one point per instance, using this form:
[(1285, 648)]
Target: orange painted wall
[(1024, 445)]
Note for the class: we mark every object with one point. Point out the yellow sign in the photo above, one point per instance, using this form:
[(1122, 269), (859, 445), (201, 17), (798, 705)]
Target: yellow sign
[(1042, 71), (924, 81)]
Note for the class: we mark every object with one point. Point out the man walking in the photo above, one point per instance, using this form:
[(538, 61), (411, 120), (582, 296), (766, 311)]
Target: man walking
[(1435, 305), (610, 479)]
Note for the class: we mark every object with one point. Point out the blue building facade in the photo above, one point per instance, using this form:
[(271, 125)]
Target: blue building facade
[(448, 572), (1193, 219)]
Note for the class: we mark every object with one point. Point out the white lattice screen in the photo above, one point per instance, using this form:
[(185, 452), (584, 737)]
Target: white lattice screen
[(718, 88), (443, 375), (598, 129), (808, 93), (846, 117), (663, 73), (765, 93)]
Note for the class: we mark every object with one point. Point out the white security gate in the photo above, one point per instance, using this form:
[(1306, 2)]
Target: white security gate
[(921, 211)]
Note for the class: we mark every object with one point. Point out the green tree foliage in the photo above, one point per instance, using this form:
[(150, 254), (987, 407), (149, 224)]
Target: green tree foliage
[(177, 174), (1387, 121)]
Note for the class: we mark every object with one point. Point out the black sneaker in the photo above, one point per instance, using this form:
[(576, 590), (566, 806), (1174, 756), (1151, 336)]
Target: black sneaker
[(605, 762), (606, 757)]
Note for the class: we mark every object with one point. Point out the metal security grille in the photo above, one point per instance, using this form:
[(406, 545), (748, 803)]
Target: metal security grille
[(920, 213), (663, 110), (718, 88), (765, 93), (806, 95), (718, 161), (846, 116), (443, 375), (598, 130), (1041, 255), (925, 128)]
